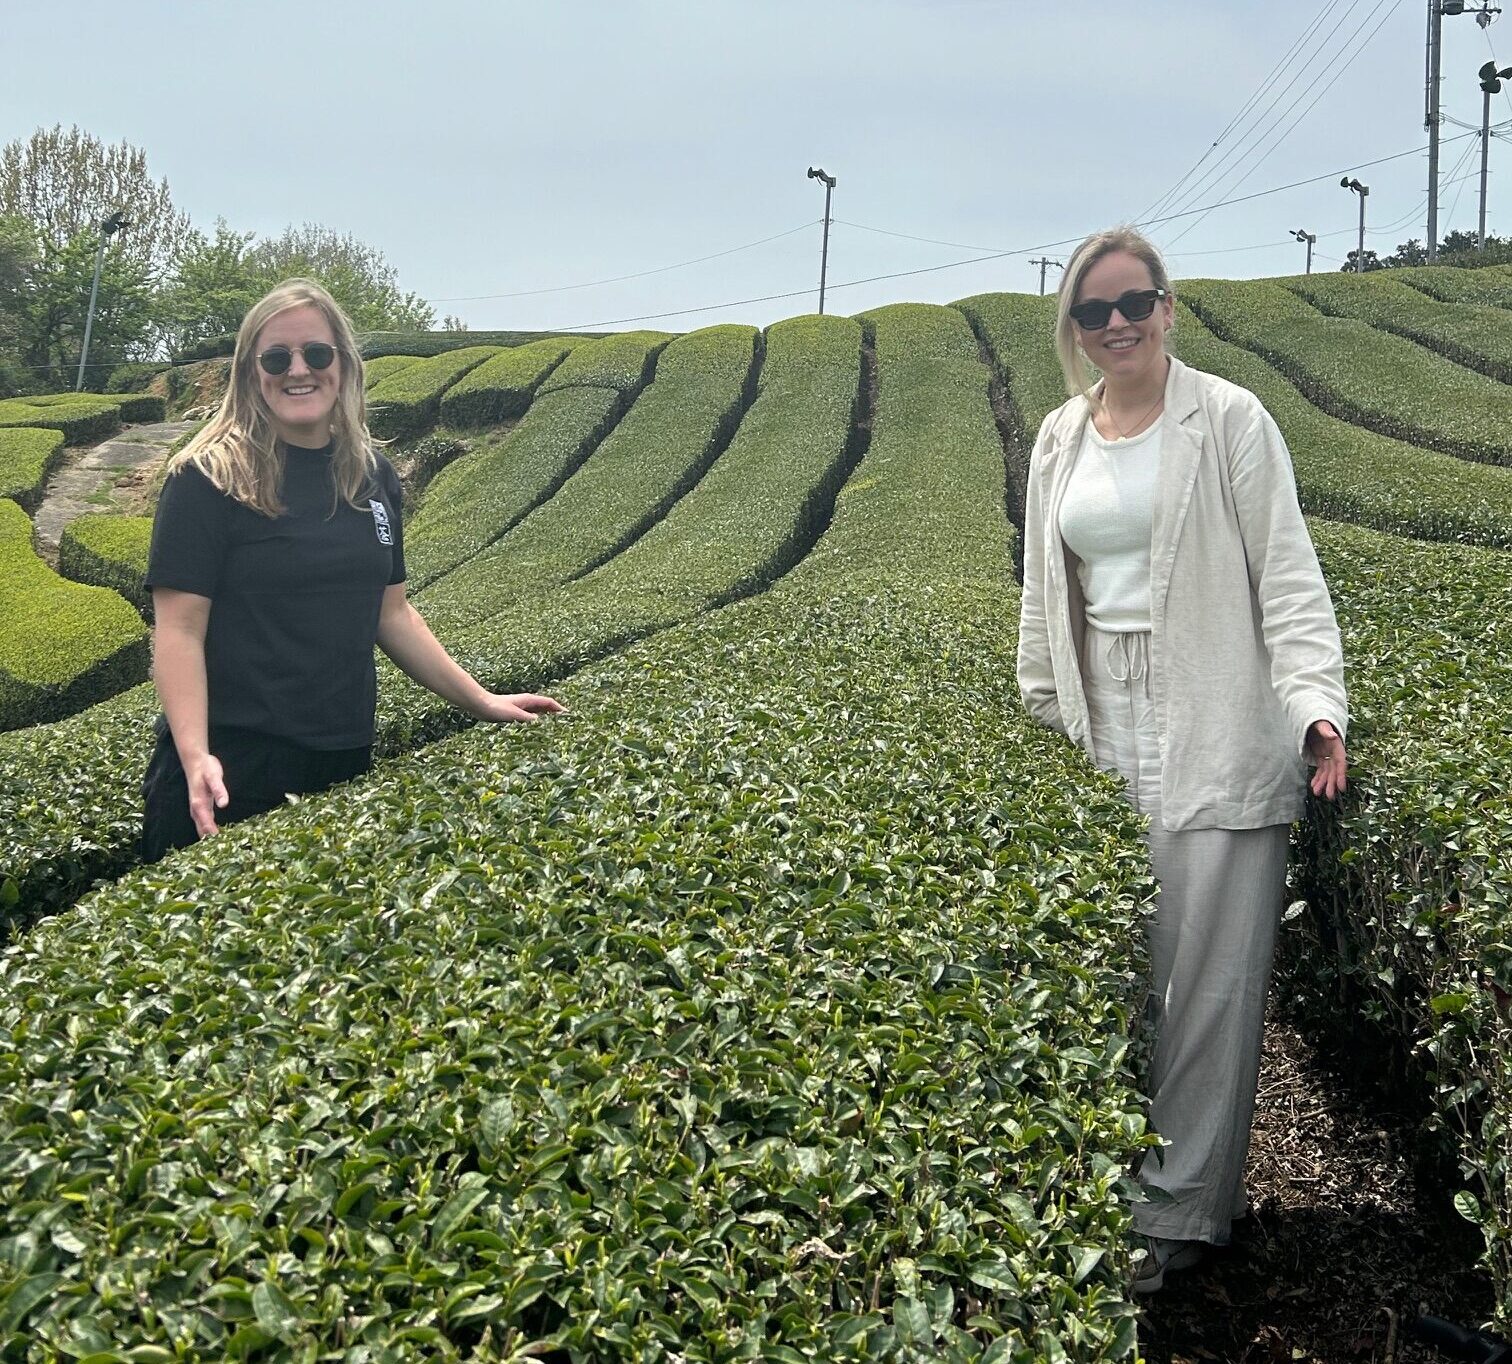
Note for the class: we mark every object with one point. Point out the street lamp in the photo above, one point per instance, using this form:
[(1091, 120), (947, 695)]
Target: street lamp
[(1303, 235), (1362, 191), (815, 173), (1491, 83), (117, 222)]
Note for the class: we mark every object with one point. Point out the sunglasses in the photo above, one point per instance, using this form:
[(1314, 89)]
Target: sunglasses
[(1093, 314), (277, 359)]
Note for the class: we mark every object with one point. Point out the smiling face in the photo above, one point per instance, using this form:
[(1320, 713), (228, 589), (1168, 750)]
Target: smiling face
[(300, 400), (1126, 352)]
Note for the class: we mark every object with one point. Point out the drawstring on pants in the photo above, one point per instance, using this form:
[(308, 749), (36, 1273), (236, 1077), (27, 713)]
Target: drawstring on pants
[(1133, 647)]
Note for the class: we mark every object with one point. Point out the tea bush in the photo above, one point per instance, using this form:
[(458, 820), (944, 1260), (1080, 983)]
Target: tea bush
[(375, 371), (109, 551), (406, 403), (501, 389), (27, 456), (64, 645)]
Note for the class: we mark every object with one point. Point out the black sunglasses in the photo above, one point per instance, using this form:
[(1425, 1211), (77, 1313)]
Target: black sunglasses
[(1093, 314), (277, 359)]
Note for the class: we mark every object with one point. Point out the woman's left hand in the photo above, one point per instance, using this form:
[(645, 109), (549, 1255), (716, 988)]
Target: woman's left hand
[(1327, 751), (524, 707)]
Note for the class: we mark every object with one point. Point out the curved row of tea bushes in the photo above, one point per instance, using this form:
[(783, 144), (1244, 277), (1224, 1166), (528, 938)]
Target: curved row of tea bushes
[(760, 1008), (1410, 883), (624, 362), (500, 389), (375, 371), (657, 452), (109, 551), (1476, 336), (377, 345), (27, 456), (1488, 288), (756, 511), (1359, 374), (64, 645), (81, 417), (1350, 474), (407, 402)]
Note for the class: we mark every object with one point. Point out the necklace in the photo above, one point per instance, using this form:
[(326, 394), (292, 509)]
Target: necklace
[(1134, 426)]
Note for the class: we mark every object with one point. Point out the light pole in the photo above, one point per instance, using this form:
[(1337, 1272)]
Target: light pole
[(1303, 235), (1043, 263), (1362, 191), (1437, 9), (1491, 83), (816, 173), (117, 222)]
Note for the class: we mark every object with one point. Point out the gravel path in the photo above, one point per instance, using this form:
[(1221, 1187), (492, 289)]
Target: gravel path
[(85, 482)]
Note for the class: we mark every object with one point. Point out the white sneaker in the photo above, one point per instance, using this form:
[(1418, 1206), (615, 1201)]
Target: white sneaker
[(1162, 1254)]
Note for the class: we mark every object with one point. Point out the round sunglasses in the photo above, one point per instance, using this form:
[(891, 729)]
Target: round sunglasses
[(277, 359), (1093, 314)]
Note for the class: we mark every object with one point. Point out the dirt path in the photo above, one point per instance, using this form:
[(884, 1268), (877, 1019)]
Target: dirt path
[(1345, 1245), (109, 476)]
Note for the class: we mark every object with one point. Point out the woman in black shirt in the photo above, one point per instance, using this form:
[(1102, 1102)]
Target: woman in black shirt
[(277, 563)]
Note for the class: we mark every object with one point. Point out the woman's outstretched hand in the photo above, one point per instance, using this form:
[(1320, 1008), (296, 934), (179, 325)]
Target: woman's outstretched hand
[(1326, 749), (519, 707)]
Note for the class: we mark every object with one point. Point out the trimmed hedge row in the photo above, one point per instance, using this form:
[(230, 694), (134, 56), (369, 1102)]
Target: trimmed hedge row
[(624, 362), (1360, 374), (374, 372), (1350, 474), (1478, 337), (1488, 288), (80, 421), (748, 519), (501, 389), (375, 345), (407, 403), (482, 496), (27, 456), (662, 447), (1410, 883), (109, 551), (64, 645), (792, 1027)]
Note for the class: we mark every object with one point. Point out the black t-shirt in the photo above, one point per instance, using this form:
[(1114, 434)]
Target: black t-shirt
[(294, 599)]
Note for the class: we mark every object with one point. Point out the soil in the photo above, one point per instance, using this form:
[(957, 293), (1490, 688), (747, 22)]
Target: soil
[(1347, 1242)]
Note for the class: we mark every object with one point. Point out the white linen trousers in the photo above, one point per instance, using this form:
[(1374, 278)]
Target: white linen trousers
[(1211, 941)]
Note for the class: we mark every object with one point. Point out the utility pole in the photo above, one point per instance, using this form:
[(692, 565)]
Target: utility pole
[(1043, 264), (1303, 235), (1491, 83), (816, 173), (1437, 9), (108, 228), (1362, 191)]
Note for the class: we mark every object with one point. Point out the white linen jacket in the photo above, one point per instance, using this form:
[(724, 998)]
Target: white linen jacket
[(1245, 649)]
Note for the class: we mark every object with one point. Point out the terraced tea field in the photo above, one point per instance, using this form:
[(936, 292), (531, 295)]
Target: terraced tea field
[(779, 1002)]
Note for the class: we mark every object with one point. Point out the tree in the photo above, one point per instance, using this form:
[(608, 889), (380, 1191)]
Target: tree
[(65, 183), (214, 283), (18, 258), (1372, 261), (56, 308), (1410, 252), (452, 323), (357, 275)]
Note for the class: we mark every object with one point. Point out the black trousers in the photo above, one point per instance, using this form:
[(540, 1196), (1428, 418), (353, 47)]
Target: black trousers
[(259, 770)]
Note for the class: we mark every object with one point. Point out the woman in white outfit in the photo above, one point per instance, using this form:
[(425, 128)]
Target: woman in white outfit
[(1176, 625)]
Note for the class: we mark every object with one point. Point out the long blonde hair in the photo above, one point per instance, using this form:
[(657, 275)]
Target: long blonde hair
[(237, 449), (1073, 363)]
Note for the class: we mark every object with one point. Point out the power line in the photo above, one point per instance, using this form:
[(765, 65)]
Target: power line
[(619, 279), (1275, 74)]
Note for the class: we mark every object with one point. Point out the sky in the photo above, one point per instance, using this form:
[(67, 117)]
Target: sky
[(508, 158)]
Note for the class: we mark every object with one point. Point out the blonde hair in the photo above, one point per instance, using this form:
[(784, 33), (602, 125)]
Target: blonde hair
[(237, 449), (1073, 363)]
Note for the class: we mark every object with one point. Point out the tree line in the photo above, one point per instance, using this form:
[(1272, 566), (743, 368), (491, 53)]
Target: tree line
[(1457, 248), (165, 285)]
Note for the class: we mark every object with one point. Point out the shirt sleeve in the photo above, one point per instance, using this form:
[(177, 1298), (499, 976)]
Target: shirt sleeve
[(188, 534), (393, 490)]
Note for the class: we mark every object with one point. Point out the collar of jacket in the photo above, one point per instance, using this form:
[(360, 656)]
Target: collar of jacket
[(1180, 456)]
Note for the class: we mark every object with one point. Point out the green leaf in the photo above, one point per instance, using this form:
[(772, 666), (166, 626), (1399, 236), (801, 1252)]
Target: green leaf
[(456, 1210), (27, 1294), (993, 1274), (274, 1311)]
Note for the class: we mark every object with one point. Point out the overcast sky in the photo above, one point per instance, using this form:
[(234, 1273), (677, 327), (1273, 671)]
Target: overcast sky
[(490, 147)]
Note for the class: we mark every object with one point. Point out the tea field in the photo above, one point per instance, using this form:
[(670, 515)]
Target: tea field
[(780, 1001)]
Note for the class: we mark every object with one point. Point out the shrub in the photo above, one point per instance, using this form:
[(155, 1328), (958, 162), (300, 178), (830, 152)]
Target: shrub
[(1478, 337), (1360, 374), (134, 376), (109, 551), (377, 370), (501, 388), (624, 362), (406, 403), (1489, 288), (80, 417), (27, 457), (65, 645), (375, 345)]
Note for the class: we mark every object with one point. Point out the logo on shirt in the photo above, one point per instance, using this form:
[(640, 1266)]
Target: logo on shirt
[(381, 525)]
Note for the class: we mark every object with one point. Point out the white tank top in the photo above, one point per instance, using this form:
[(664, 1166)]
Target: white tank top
[(1106, 519)]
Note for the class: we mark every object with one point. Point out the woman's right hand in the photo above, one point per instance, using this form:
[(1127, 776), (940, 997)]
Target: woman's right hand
[(207, 792)]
